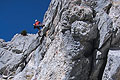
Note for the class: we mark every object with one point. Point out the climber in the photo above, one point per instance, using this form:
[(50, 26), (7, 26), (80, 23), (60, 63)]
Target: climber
[(38, 25)]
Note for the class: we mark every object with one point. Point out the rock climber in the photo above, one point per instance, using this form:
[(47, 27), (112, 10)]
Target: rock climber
[(38, 25)]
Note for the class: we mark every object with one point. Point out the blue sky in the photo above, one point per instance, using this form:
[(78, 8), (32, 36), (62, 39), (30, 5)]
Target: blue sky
[(18, 15)]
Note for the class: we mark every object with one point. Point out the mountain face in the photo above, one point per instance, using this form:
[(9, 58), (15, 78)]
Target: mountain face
[(80, 41)]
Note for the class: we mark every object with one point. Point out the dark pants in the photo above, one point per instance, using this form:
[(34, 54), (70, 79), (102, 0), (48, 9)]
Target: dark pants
[(39, 27)]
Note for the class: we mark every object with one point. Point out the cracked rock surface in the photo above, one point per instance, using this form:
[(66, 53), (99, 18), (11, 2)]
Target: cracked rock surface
[(80, 41)]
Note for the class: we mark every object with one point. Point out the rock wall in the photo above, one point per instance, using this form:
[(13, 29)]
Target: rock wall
[(12, 60), (79, 42)]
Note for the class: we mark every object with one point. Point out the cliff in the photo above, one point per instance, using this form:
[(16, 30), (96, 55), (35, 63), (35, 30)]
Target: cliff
[(80, 41)]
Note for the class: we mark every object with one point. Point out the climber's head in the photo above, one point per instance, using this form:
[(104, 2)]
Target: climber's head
[(36, 20)]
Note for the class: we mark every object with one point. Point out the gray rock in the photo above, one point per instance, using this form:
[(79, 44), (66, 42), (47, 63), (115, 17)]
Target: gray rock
[(74, 44)]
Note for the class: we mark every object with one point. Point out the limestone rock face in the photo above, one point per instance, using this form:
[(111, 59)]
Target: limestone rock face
[(12, 59), (72, 43), (80, 41), (112, 68)]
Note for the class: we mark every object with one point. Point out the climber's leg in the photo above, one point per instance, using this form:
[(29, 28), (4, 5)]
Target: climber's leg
[(39, 32)]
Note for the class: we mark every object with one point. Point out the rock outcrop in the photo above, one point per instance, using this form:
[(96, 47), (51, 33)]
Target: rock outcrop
[(12, 59), (80, 41)]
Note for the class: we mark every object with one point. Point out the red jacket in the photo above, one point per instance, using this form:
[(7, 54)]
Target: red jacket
[(37, 23)]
